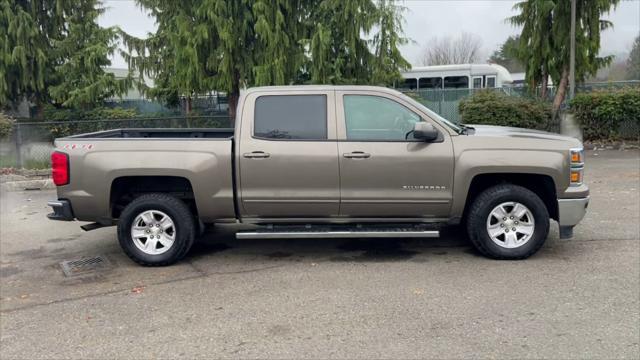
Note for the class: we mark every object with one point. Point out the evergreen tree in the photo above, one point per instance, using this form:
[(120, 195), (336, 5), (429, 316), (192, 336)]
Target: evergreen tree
[(26, 68), (536, 41), (633, 63), (545, 40), (84, 52), (219, 45), (508, 55), (387, 61), (179, 56), (279, 55), (339, 54), (53, 51)]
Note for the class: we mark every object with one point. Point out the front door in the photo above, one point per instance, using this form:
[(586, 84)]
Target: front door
[(384, 172), (288, 156)]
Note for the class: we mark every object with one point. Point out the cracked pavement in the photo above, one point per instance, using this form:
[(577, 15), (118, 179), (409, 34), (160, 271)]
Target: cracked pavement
[(366, 298)]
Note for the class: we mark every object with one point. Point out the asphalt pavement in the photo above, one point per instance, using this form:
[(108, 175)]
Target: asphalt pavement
[(367, 298)]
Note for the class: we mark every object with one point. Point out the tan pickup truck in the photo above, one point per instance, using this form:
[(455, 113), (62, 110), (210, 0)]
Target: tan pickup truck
[(322, 161)]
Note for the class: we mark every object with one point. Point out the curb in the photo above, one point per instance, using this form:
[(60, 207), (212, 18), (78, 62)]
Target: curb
[(44, 184)]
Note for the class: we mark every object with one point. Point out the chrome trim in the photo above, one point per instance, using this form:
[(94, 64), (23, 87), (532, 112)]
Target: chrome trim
[(395, 201), (336, 234), (55, 203), (341, 220), (572, 211), (296, 201)]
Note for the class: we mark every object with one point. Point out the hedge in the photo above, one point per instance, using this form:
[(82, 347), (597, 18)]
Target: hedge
[(496, 108), (100, 113), (6, 126), (612, 114)]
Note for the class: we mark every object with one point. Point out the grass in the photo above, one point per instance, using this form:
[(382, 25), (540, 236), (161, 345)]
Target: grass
[(32, 164)]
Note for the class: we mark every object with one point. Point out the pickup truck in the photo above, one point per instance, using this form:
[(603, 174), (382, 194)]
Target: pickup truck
[(318, 162)]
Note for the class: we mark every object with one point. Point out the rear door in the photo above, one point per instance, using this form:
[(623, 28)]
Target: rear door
[(384, 172), (288, 155)]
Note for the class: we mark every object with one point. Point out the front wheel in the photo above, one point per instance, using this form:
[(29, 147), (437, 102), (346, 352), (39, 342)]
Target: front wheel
[(508, 222), (156, 230)]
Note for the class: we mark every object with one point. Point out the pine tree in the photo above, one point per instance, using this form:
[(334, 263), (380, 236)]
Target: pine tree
[(536, 41), (545, 40), (339, 54), (633, 63), (220, 45), (52, 51), (508, 55), (26, 67), (387, 60), (85, 50), (279, 54)]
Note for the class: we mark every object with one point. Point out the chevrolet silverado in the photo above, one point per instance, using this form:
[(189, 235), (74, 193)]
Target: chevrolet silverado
[(322, 161)]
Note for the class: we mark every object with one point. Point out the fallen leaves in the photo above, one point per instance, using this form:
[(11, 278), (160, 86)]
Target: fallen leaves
[(138, 289)]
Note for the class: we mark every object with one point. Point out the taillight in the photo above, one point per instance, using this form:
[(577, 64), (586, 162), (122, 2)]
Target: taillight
[(60, 168)]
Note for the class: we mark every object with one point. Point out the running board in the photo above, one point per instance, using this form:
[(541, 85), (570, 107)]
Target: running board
[(336, 234)]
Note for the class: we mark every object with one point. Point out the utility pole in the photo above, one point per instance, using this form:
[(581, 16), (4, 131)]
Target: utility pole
[(572, 56)]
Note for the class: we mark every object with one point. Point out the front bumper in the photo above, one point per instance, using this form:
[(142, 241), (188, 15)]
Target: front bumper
[(61, 210), (571, 211)]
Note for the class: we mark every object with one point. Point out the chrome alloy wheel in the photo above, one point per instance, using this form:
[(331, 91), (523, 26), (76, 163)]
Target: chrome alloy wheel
[(510, 225), (153, 232)]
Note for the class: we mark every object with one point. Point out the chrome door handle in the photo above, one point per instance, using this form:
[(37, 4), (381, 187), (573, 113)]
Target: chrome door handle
[(357, 155), (256, 155)]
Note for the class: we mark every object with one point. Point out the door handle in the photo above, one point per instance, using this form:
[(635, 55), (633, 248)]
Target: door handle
[(256, 155), (357, 155)]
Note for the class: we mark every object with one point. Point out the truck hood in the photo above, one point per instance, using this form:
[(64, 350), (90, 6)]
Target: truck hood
[(505, 131)]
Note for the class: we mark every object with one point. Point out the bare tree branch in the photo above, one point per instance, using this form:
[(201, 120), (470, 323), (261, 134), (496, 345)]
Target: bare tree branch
[(463, 49)]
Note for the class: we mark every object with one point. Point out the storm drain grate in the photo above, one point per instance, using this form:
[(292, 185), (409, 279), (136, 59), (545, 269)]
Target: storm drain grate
[(85, 265)]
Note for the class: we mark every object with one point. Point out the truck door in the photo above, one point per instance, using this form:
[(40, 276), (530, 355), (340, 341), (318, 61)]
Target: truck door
[(382, 173), (288, 156)]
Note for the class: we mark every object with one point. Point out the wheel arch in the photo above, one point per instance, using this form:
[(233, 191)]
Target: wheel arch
[(541, 184), (125, 189)]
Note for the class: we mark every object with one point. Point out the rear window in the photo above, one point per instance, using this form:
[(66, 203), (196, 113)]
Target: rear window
[(300, 117)]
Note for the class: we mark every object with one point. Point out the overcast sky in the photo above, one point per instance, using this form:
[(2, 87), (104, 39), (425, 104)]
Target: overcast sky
[(425, 19)]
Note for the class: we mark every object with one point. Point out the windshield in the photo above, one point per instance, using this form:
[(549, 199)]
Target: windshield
[(433, 115)]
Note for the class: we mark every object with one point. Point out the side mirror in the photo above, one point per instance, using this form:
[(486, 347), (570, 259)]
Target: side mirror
[(425, 131)]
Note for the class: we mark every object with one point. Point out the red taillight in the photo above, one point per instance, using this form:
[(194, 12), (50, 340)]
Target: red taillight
[(60, 168)]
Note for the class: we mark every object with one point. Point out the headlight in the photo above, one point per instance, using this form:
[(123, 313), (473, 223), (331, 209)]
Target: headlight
[(577, 166)]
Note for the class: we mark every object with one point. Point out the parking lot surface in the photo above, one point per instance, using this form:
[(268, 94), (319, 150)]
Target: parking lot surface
[(367, 298)]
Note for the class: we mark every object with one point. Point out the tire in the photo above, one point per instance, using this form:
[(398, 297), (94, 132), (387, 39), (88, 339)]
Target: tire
[(179, 235), (486, 214)]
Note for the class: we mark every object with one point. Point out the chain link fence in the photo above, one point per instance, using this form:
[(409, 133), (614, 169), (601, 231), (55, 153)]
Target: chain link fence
[(30, 143)]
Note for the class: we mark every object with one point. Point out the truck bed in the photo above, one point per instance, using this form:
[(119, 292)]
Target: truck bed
[(97, 161), (167, 133)]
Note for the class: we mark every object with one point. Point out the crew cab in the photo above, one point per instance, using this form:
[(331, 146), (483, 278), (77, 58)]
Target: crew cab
[(322, 161)]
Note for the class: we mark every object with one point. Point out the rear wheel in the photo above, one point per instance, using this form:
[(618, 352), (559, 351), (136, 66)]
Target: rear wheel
[(508, 222), (156, 230)]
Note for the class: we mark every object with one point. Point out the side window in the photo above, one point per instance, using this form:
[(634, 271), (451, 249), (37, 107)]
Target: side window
[(300, 117), (491, 81), (430, 83), (477, 82), (456, 82), (409, 84), (377, 118)]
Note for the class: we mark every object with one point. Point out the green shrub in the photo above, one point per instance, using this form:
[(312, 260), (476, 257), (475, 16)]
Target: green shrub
[(611, 114), (73, 117), (54, 114), (497, 108), (6, 126)]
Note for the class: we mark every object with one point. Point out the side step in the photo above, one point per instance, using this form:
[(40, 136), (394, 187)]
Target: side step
[(324, 232)]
